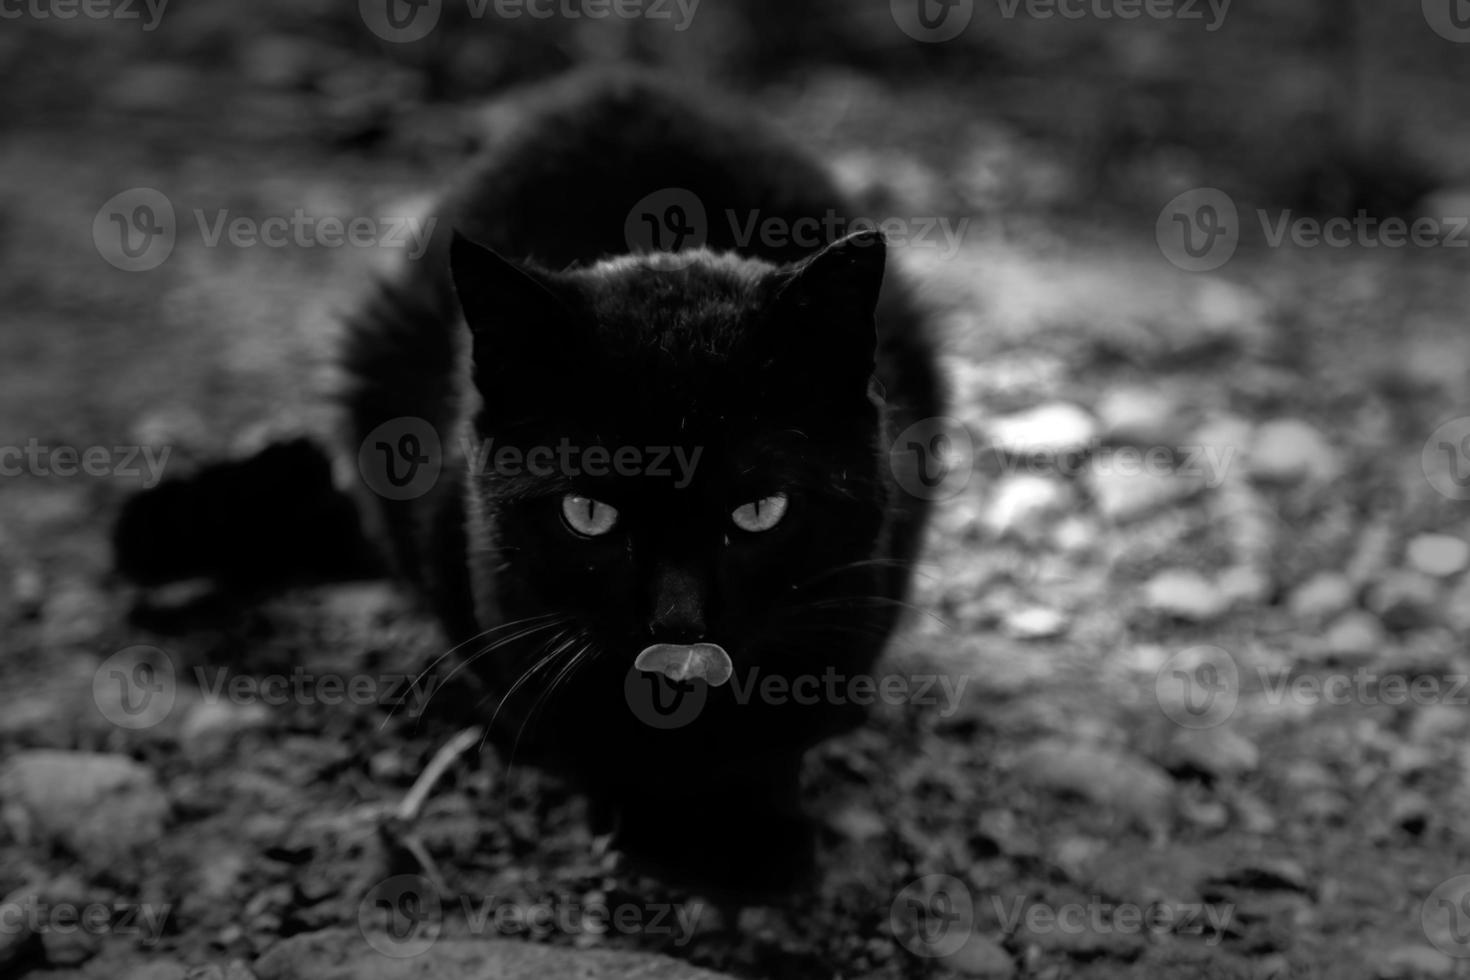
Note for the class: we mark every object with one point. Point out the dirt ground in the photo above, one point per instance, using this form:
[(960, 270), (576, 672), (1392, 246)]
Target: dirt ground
[(1202, 601)]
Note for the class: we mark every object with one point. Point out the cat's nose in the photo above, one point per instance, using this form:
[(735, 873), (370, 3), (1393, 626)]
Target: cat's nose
[(677, 613)]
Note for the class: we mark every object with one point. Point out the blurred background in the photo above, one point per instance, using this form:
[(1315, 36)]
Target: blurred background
[(1093, 608)]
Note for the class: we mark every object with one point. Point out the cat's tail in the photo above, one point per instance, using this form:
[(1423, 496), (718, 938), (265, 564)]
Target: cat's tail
[(270, 519)]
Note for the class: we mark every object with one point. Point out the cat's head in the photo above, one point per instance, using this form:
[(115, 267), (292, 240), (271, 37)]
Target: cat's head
[(678, 449)]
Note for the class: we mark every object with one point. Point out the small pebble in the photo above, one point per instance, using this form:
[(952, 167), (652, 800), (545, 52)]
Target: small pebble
[(157, 970), (1219, 752), (1355, 636), (982, 957), (1184, 594), (1057, 427), (1413, 962), (1023, 503), (1124, 497), (101, 807), (1322, 597), (1035, 623), (1291, 451), (1109, 777), (1439, 555), (1139, 416)]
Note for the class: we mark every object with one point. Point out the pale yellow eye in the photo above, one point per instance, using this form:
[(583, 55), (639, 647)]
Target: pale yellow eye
[(760, 515), (587, 516)]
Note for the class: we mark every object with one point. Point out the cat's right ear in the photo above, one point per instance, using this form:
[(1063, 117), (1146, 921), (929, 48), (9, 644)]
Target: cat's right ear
[(503, 302)]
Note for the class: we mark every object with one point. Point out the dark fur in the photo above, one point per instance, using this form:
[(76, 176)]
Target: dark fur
[(779, 373)]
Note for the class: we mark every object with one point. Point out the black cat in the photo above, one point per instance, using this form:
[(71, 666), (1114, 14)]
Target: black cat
[(640, 482)]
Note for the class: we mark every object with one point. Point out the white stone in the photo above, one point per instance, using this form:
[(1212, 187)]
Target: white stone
[(101, 807), (1124, 497), (1021, 503), (1138, 415), (1290, 451), (1322, 596), (1440, 555), (1057, 427), (1356, 635), (1035, 623), (1184, 594)]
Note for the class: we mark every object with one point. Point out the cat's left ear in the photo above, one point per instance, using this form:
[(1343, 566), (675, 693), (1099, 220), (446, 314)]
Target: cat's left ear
[(522, 330), (830, 300), (499, 296)]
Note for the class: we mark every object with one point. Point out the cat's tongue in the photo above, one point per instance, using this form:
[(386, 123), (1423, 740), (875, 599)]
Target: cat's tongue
[(681, 662)]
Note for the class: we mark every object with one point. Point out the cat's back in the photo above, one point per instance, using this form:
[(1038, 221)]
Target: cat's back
[(605, 162)]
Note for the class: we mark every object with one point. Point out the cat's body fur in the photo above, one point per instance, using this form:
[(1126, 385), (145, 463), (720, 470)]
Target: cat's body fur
[(652, 351)]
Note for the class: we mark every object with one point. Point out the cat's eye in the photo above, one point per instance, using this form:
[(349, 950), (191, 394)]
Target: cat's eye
[(588, 517), (760, 515)]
